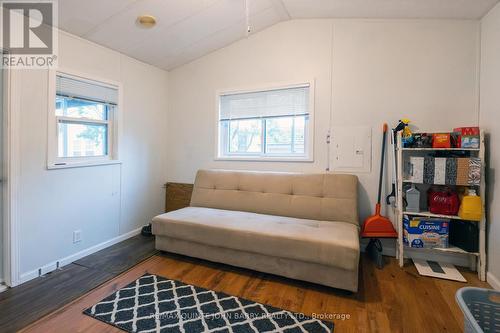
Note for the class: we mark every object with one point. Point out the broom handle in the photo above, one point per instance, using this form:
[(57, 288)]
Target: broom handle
[(381, 166)]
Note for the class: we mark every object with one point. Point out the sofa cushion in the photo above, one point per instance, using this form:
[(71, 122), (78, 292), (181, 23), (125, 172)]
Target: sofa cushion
[(324, 196), (323, 242)]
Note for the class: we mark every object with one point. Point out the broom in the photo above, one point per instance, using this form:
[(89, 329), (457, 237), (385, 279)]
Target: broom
[(378, 226)]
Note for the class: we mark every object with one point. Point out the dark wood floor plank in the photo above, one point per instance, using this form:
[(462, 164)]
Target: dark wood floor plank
[(18, 308), (120, 257), (65, 319), (29, 302)]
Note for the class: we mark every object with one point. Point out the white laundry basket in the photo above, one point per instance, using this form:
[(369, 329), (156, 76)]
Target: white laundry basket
[(481, 309)]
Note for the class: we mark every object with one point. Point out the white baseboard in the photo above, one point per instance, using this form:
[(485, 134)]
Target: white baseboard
[(3, 287), (493, 281), (25, 277)]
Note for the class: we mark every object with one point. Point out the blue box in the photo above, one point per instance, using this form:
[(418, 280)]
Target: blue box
[(425, 232)]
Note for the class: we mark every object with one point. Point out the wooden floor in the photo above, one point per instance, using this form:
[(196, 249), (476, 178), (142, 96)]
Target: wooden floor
[(389, 300), (29, 302)]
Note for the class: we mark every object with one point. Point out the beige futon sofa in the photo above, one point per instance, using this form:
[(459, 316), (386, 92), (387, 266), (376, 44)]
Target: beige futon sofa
[(302, 226)]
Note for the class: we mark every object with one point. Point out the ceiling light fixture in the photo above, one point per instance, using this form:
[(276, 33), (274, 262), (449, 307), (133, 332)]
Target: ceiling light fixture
[(146, 21)]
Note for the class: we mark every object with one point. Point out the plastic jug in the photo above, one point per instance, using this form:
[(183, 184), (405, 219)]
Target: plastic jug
[(471, 207), (413, 199), (443, 201)]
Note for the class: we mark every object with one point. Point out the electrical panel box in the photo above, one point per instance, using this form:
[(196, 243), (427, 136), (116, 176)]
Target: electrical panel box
[(351, 149)]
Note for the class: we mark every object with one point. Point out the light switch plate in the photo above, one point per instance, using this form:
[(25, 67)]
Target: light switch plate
[(77, 236)]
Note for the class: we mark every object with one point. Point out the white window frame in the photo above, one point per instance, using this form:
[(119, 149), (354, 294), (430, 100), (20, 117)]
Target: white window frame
[(113, 122), (309, 145)]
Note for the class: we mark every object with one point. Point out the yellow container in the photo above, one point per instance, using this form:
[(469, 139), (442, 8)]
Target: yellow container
[(471, 207)]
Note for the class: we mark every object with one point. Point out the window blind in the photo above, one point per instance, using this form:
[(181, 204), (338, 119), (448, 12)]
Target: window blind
[(88, 90), (270, 103)]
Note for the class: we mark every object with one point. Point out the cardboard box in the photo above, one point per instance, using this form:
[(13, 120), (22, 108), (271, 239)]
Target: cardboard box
[(469, 141), (468, 137), (472, 131), (441, 140), (425, 232), (443, 171)]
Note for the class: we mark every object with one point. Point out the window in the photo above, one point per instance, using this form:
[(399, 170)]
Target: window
[(267, 124), (84, 120)]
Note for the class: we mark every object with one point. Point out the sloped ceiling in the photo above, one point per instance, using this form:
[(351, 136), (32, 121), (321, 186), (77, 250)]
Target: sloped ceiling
[(189, 29)]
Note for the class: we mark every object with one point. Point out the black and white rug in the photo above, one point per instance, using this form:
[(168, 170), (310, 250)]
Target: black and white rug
[(156, 304)]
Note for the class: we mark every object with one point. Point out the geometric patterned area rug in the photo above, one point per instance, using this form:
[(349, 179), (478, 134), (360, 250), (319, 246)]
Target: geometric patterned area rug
[(156, 304)]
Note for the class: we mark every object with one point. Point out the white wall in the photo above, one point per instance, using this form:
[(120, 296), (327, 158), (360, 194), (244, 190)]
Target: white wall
[(1, 173), (490, 112), (383, 70), (102, 201)]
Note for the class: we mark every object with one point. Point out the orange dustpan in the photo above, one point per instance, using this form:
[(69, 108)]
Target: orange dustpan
[(378, 226)]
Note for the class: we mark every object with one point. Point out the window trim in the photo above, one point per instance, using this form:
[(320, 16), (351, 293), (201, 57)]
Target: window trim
[(309, 147), (114, 125)]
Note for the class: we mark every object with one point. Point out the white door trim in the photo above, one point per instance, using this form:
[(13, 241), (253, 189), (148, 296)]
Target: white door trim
[(11, 170)]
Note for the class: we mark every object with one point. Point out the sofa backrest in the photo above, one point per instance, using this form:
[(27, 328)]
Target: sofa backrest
[(325, 196)]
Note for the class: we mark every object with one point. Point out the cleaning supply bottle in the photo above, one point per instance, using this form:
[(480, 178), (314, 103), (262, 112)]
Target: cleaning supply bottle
[(413, 199), (471, 207)]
